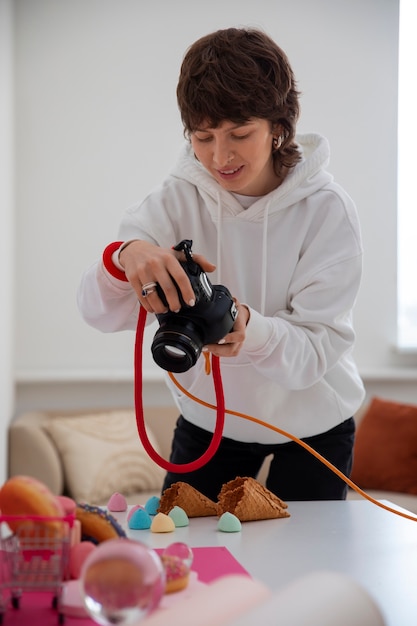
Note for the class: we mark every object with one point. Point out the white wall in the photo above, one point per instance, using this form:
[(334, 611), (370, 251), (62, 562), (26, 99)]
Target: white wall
[(6, 227), (97, 127)]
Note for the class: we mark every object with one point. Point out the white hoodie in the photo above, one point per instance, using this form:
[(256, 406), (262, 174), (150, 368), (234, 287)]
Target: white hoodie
[(294, 257)]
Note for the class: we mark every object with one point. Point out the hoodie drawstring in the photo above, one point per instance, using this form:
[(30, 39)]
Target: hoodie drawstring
[(264, 258), (219, 239)]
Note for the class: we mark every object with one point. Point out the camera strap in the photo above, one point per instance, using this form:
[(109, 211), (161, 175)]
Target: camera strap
[(140, 417)]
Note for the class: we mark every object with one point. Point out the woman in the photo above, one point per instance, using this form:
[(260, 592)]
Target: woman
[(257, 200)]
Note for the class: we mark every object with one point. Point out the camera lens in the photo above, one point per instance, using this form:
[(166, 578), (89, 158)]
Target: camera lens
[(176, 350)]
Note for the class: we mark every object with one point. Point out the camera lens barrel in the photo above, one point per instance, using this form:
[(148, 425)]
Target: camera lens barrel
[(176, 347)]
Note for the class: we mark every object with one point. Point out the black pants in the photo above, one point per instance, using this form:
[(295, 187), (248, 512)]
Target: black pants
[(294, 474)]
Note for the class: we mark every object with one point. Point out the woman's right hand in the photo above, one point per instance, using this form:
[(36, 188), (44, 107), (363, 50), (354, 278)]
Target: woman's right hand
[(144, 263)]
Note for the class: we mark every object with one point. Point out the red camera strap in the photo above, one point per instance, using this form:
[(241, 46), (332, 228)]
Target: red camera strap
[(140, 418)]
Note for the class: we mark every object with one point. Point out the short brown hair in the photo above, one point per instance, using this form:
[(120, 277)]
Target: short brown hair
[(237, 74)]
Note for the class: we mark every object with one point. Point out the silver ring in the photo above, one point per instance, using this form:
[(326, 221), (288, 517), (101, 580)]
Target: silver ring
[(148, 289)]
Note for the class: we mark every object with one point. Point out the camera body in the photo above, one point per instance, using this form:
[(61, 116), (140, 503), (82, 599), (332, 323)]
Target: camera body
[(180, 338)]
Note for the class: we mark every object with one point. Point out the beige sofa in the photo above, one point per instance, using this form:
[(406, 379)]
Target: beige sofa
[(91, 454)]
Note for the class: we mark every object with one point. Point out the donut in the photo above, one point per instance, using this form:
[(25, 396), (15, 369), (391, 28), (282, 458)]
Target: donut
[(96, 524), (176, 573), (28, 496)]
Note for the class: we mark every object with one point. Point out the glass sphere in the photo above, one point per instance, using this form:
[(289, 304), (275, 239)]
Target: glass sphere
[(122, 581)]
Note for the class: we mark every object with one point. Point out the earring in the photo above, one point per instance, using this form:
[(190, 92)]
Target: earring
[(277, 142)]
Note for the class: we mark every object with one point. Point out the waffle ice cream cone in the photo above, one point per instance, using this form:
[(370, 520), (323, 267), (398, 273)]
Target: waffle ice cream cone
[(192, 501), (249, 500)]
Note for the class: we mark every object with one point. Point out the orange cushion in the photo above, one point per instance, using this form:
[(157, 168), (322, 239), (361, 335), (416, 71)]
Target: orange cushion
[(385, 454)]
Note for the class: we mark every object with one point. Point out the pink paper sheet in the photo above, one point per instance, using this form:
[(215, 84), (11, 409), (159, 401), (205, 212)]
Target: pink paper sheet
[(212, 562)]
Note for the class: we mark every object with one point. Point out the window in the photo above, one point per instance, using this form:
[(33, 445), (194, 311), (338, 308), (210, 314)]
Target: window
[(407, 194)]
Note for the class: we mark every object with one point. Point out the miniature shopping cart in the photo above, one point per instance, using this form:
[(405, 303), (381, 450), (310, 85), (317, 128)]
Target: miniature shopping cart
[(34, 557)]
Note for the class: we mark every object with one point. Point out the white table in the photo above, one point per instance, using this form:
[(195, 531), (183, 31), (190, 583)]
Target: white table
[(356, 538)]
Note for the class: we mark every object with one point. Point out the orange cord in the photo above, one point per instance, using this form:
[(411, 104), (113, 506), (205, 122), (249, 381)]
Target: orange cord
[(302, 443), (207, 364)]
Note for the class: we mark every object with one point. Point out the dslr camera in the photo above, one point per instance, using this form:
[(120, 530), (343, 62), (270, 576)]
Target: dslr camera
[(180, 338)]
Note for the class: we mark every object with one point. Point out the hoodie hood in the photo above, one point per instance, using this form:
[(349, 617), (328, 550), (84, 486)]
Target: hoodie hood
[(307, 177)]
